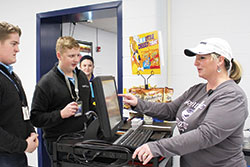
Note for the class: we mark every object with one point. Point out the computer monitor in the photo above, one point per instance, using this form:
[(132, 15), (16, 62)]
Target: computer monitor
[(107, 105)]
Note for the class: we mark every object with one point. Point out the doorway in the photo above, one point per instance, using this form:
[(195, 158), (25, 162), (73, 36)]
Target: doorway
[(49, 28)]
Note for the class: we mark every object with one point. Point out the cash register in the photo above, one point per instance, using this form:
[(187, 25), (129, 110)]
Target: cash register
[(101, 144)]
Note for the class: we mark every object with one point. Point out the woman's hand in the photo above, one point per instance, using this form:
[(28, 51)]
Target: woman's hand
[(144, 154), (129, 99)]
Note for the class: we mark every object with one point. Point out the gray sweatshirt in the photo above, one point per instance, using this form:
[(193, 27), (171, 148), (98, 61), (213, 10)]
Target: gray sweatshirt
[(211, 126)]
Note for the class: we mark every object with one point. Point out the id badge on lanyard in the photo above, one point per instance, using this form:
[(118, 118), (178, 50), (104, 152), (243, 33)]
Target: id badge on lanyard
[(25, 108), (79, 103), (79, 111), (26, 113)]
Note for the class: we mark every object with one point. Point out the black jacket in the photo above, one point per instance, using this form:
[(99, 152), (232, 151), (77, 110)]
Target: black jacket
[(52, 95), (13, 129)]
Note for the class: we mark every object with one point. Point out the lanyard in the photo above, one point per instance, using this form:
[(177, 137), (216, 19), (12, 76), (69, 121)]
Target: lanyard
[(16, 83), (76, 87), (10, 80)]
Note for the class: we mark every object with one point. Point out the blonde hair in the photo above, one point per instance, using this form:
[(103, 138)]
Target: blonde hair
[(235, 72), (6, 29), (66, 42)]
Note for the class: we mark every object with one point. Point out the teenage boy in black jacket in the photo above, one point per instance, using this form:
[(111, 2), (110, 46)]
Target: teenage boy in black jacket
[(17, 135), (60, 94)]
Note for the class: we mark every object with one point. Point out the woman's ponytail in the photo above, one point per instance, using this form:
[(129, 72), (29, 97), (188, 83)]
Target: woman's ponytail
[(235, 71)]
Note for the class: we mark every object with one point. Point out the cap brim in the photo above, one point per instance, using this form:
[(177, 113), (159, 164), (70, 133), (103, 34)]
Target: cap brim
[(189, 53)]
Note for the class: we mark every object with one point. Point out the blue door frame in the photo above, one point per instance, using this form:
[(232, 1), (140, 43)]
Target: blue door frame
[(49, 28)]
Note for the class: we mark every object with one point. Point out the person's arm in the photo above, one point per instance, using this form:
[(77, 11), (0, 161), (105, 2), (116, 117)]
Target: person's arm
[(166, 111), (10, 143), (31, 127), (40, 116), (225, 115)]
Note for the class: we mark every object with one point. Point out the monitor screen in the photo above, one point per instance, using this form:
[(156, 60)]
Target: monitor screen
[(107, 105)]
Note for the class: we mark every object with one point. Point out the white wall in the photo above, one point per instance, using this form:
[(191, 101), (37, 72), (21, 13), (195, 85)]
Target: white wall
[(142, 16), (191, 21), (195, 20), (106, 60)]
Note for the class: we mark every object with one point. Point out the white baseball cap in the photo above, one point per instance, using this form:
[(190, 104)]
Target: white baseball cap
[(211, 45)]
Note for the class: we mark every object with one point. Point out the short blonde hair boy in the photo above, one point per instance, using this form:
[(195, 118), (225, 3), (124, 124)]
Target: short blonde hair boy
[(66, 42)]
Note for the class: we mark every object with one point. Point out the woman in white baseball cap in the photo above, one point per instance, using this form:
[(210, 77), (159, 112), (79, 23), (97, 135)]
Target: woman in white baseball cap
[(220, 51), (210, 116)]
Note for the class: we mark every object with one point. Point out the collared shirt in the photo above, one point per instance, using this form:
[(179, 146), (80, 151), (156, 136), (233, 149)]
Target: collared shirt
[(70, 78), (92, 77), (15, 81), (9, 68)]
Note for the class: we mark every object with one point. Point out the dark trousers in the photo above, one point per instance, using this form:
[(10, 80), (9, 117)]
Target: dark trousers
[(13, 160)]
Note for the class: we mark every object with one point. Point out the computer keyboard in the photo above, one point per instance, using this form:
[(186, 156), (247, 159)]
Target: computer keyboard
[(135, 137)]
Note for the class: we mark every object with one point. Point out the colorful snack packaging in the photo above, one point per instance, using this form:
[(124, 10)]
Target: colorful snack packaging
[(168, 94)]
